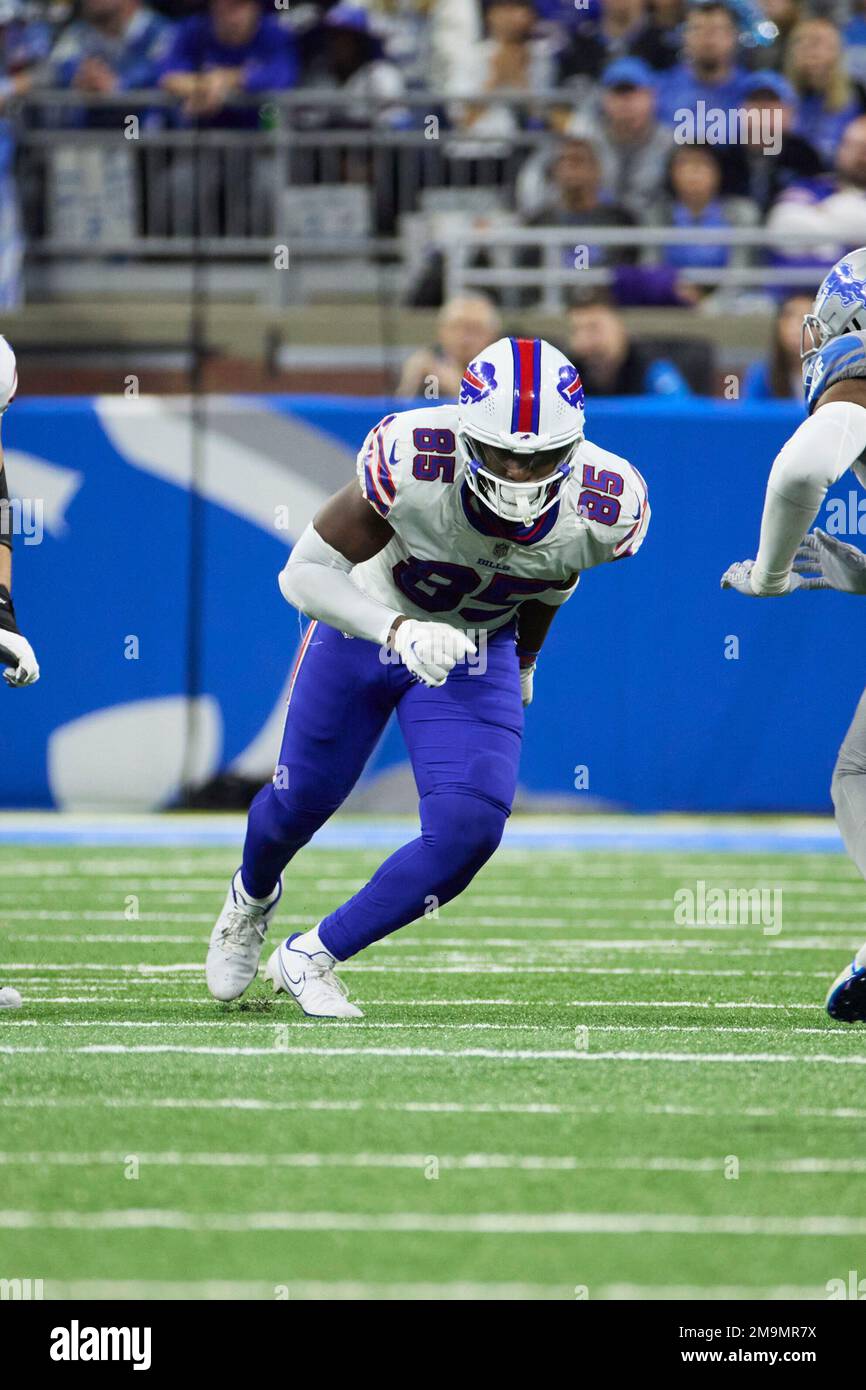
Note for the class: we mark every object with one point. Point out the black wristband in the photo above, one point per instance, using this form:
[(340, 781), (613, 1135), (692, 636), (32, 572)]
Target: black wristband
[(6, 518), (7, 611)]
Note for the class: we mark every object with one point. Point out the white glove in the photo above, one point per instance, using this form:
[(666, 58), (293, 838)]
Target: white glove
[(739, 576), (837, 564), (430, 650), (17, 655), (8, 375), (527, 674)]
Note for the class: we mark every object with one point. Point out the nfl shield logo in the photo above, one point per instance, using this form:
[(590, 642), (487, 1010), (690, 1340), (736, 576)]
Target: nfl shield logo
[(500, 550)]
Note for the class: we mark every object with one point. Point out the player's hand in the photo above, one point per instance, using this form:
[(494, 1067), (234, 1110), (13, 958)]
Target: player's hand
[(19, 659), (527, 680), (836, 564), (431, 650), (739, 576)]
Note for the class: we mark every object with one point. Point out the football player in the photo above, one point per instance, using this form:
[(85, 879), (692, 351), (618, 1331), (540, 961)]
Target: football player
[(432, 581), (17, 658), (831, 440)]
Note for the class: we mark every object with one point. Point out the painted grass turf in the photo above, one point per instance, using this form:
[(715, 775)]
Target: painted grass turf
[(579, 1071)]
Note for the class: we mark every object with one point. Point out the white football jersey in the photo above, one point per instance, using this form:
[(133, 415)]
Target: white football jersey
[(452, 560)]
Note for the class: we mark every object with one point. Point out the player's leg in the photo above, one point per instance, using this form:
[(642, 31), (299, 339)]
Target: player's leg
[(464, 740), (847, 997), (339, 703)]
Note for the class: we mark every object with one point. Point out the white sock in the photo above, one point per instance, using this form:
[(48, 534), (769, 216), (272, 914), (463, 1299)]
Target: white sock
[(310, 944), (256, 902)]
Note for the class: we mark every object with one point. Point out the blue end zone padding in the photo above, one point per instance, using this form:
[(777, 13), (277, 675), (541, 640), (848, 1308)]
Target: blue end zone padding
[(638, 682)]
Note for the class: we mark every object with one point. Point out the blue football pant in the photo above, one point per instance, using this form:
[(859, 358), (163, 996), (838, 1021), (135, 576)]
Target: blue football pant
[(463, 740)]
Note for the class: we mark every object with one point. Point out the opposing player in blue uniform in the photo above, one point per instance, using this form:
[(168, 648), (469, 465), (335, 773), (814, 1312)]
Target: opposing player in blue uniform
[(432, 580), (829, 442)]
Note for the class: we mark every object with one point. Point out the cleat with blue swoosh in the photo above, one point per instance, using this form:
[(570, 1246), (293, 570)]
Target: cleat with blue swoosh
[(846, 1000), (310, 981)]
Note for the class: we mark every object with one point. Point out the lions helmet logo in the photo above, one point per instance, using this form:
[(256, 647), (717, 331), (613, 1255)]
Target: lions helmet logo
[(843, 283), (479, 380), (570, 386)]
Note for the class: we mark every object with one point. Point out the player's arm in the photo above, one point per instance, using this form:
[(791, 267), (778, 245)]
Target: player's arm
[(16, 654), (533, 624), (816, 456), (344, 533)]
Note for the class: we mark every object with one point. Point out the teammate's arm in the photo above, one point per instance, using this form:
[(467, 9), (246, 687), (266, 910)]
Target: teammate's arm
[(345, 532), (820, 451)]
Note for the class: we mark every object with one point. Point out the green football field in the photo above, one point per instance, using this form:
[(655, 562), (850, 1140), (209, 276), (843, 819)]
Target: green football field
[(558, 1090)]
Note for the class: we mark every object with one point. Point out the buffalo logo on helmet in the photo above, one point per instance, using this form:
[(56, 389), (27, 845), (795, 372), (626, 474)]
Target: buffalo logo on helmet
[(570, 386), (479, 380)]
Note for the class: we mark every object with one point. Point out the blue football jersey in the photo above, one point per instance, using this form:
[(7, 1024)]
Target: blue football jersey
[(840, 359)]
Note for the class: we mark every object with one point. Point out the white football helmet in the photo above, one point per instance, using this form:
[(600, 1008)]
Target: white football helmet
[(520, 396), (840, 304)]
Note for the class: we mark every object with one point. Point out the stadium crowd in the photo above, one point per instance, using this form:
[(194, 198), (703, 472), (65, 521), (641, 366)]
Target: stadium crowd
[(576, 113)]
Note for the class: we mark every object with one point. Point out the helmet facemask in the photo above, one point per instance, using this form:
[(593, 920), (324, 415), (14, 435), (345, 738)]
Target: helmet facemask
[(813, 336), (520, 503)]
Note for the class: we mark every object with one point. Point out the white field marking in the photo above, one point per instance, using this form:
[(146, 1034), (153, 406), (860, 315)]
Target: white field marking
[(529, 946), (433, 941), (466, 1291), (423, 1107), (218, 1290), (480, 1053), (142, 971), (628, 1224), (549, 892), (800, 1293), (471, 1162), (414, 1026), (33, 997), (574, 903)]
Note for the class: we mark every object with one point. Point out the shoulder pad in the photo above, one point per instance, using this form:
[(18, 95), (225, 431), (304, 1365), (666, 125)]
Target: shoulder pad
[(839, 360), (405, 448)]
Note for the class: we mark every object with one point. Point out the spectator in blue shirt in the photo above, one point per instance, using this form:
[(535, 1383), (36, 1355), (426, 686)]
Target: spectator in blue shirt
[(116, 45), (780, 376), (709, 72), (827, 98), (695, 178), (235, 47)]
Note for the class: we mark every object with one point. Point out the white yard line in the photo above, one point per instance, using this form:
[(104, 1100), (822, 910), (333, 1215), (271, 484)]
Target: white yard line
[(422, 1107), (471, 1162), (309, 1290), (628, 1224), (480, 1053), (143, 970), (239, 1021), (102, 997), (304, 1290)]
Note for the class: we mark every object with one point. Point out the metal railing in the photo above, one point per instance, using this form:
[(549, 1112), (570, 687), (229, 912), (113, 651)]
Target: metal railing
[(465, 258), (137, 188)]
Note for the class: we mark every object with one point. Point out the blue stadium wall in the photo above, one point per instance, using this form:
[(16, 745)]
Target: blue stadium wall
[(671, 693)]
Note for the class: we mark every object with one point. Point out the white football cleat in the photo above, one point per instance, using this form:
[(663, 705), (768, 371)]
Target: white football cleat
[(847, 997), (236, 941), (311, 982), (10, 998)]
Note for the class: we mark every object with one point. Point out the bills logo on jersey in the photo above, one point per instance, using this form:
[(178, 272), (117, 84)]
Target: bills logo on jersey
[(570, 386), (479, 380)]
